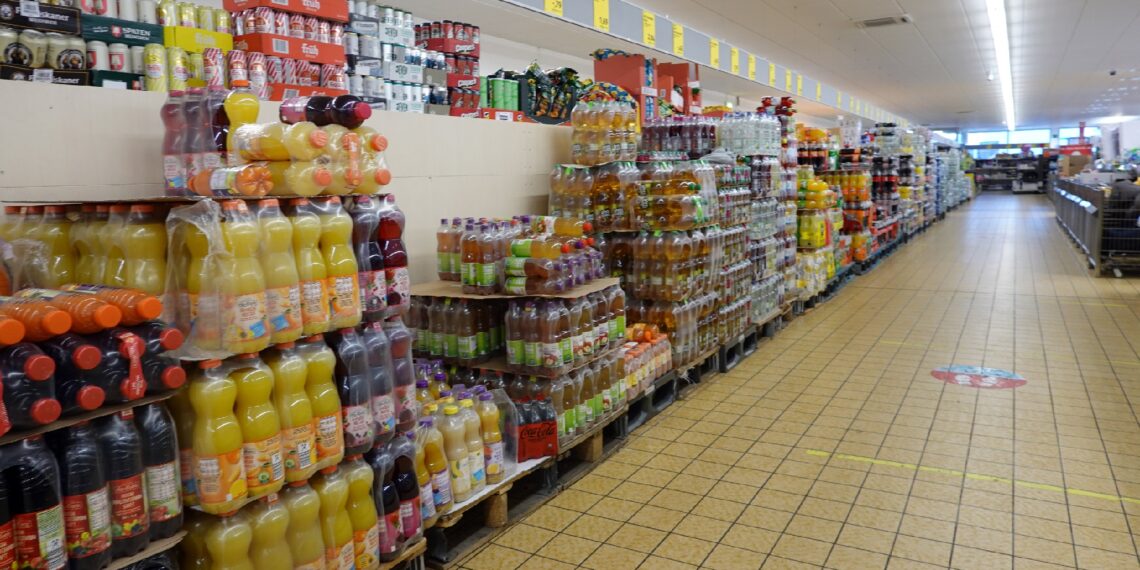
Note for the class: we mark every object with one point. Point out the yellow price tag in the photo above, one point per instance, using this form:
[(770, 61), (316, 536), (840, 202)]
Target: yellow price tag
[(602, 15), (751, 67), (799, 85), (838, 99), (678, 40), (554, 7), (734, 61), (788, 80), (772, 74), (649, 28), (818, 91), (714, 53)]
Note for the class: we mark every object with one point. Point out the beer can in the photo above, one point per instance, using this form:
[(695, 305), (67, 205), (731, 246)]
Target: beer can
[(213, 67), (356, 85), (148, 12), (314, 74), (460, 31), (197, 67), (137, 60), (374, 10), (249, 22), (9, 37), (359, 7), (311, 24), (324, 32), (274, 69), (369, 46), (475, 35), (336, 34), (222, 22), (107, 8), (512, 94), (97, 57), (419, 32), (289, 73), (258, 75), (236, 64), (281, 23), (351, 43), (304, 74), (450, 64), (154, 65), (296, 26), (128, 10), (474, 66), (447, 29), (205, 18), (57, 44), (386, 52), (187, 14), (436, 30), (178, 68), (167, 13), (117, 55), (263, 20)]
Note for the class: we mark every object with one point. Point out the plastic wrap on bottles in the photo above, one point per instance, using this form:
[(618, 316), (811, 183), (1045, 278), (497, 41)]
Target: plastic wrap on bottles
[(197, 252), (509, 424)]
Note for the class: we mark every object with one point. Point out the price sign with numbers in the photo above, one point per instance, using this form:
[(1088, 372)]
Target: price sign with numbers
[(602, 15), (553, 7), (734, 61), (752, 67), (714, 52), (649, 28), (678, 40)]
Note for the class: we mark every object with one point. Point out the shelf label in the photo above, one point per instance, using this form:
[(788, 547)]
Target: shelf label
[(553, 7), (772, 74), (678, 40), (714, 53), (838, 99), (649, 28), (818, 91), (799, 85), (788, 80), (734, 61), (602, 15), (751, 67)]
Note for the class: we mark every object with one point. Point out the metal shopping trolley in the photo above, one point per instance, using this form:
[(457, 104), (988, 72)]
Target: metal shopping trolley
[(1104, 221)]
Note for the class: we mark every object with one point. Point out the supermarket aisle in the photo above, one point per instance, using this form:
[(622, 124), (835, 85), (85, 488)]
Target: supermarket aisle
[(833, 446)]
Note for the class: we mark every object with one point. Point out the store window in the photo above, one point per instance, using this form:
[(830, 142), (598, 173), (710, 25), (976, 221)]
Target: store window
[(952, 135), (987, 137), (1029, 136), (1074, 132)]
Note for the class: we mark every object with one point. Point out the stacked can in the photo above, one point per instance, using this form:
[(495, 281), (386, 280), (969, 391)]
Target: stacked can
[(258, 75), (213, 67), (265, 20)]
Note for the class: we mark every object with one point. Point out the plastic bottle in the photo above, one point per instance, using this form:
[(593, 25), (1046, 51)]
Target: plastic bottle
[(86, 498), (260, 426), (219, 469), (73, 356), (311, 268), (423, 479), (242, 283), (336, 249), (228, 540), (294, 410), (320, 385), (305, 538), (283, 289), (381, 381), (355, 391), (370, 262), (436, 462), (194, 555), (197, 140), (33, 476), (488, 414), (344, 110), (336, 526), (241, 107), (396, 276), (54, 232), (407, 487), (136, 307), (161, 462), (269, 523), (299, 178), (453, 428), (144, 250), (115, 272), (250, 180), (361, 509), (162, 372), (300, 143), (173, 164), (88, 314), (40, 320), (121, 449), (29, 402), (387, 499), (183, 414)]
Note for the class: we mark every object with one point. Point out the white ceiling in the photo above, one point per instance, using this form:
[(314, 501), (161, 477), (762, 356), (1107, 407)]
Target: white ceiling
[(933, 71)]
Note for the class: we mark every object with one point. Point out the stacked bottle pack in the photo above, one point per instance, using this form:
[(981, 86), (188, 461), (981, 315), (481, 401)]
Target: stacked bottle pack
[(786, 185), (604, 132), (737, 270), (769, 247)]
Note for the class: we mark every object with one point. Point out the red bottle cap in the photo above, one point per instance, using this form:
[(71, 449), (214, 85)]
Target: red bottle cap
[(86, 356), (142, 208), (171, 338), (173, 377), (379, 143), (361, 111), (107, 316), (298, 483), (587, 227), (322, 176), (90, 397), (39, 367), (383, 176), (286, 345), (208, 364), (329, 469), (247, 356), (11, 331), (56, 322), (148, 308), (45, 411)]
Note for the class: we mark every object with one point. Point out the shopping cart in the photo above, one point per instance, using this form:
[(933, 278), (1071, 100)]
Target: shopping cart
[(1103, 221)]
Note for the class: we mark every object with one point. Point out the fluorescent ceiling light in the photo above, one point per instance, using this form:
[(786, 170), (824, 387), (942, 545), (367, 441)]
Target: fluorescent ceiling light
[(999, 28), (1115, 119)]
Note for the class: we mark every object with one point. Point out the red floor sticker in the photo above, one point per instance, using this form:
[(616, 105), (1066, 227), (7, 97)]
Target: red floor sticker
[(978, 377)]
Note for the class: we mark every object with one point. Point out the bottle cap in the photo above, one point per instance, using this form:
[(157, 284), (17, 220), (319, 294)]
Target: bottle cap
[(39, 367), (149, 308), (378, 142), (450, 409), (286, 345), (247, 356), (298, 483), (90, 397), (107, 316), (56, 322), (56, 209), (314, 338), (208, 364), (318, 138), (171, 338), (240, 82), (173, 377), (383, 176), (322, 176), (142, 208), (45, 411), (119, 208), (361, 111), (12, 210), (328, 470), (86, 356)]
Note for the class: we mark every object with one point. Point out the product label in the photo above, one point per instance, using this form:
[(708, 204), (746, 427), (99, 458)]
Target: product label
[(585, 414), (330, 437), (220, 478), (87, 523), (344, 297), (588, 341), (186, 471), (579, 343), (613, 329), (515, 285), (399, 286), (131, 347), (481, 340), (373, 291), (620, 319), (460, 476), (532, 354), (478, 470), (566, 345), (283, 309), (410, 516), (128, 507), (607, 399), (318, 564), (496, 336), (601, 337), (515, 352), (366, 547), (436, 340), (451, 345), (467, 347), (174, 171), (427, 501), (359, 428), (314, 302), (162, 492), (488, 274), (493, 457), (299, 450), (551, 355), (561, 431), (264, 465), (441, 488), (571, 418), (346, 558), (467, 273), (384, 413), (8, 545), (596, 405), (521, 248), (244, 318), (39, 539), (390, 534), (515, 266)]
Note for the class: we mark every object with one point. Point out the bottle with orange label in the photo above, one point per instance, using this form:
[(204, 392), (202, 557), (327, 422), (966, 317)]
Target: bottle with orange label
[(306, 542), (295, 410), (362, 512), (312, 272), (336, 526), (219, 469), (283, 289), (144, 250), (279, 142), (269, 520), (183, 414), (199, 306), (244, 320), (320, 365), (340, 261), (260, 426), (241, 107)]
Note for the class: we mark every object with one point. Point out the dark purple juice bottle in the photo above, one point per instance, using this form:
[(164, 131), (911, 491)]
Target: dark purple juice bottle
[(407, 487), (163, 478), (355, 391), (380, 377), (344, 110), (121, 449), (73, 356), (86, 497), (29, 386), (120, 374), (365, 212), (162, 373), (7, 528), (387, 499), (32, 475)]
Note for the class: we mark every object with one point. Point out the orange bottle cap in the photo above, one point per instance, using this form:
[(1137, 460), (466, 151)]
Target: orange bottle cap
[(39, 367), (87, 208), (34, 210), (56, 322), (286, 345), (86, 356), (12, 210), (148, 308), (208, 364), (298, 483), (102, 208), (299, 202), (345, 330), (247, 356), (233, 205), (171, 338), (56, 209), (45, 411), (314, 338), (322, 176), (173, 377), (119, 208), (328, 470), (107, 316), (269, 203), (379, 143), (318, 138), (142, 208), (90, 397), (240, 83), (11, 331), (383, 176)]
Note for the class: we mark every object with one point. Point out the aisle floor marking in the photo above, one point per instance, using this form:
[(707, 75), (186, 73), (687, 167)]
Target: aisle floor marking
[(974, 476)]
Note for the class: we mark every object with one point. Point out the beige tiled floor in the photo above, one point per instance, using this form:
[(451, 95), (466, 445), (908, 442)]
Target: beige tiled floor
[(832, 446)]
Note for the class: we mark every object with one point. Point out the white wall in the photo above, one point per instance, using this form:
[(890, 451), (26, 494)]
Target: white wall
[(1129, 135)]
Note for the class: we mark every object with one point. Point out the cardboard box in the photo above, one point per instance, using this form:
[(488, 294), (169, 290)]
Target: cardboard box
[(365, 65), (283, 46), (281, 91), (46, 18), (335, 10), (194, 40), (397, 36), (470, 112), (1071, 164), (435, 76), (503, 115), (464, 81), (433, 109), (116, 80), (451, 46), (363, 25), (21, 73), (116, 31), (407, 106)]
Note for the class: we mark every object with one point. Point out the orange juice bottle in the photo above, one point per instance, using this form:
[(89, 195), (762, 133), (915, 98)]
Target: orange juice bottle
[(295, 411), (10, 228), (195, 556), (299, 178), (283, 289), (110, 237), (455, 450), (183, 414), (242, 282), (227, 540), (492, 437), (241, 107), (336, 526), (362, 512), (306, 542), (423, 477), (204, 330), (311, 269), (41, 321), (95, 239), (320, 364), (219, 472), (269, 520), (80, 241), (88, 314), (336, 249), (260, 426), (473, 437), (55, 233), (144, 250)]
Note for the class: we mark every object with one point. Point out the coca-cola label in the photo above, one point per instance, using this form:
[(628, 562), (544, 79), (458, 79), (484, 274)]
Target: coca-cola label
[(87, 523), (128, 507), (538, 439)]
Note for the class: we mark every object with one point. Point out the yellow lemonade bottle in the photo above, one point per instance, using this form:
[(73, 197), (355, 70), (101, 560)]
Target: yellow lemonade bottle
[(95, 238), (295, 411), (299, 178), (227, 540), (55, 233), (304, 535), (336, 248), (244, 322), (203, 325), (219, 472), (473, 436), (320, 364), (269, 520), (362, 513), (455, 450), (183, 413), (336, 526), (260, 426), (436, 462), (144, 250), (282, 287), (311, 269), (423, 479), (13, 218), (115, 272), (193, 546), (492, 437), (80, 241), (241, 107)]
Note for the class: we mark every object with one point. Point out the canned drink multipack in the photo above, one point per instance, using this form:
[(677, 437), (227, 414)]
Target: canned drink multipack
[(336, 34), (311, 27), (324, 32), (222, 22), (281, 23), (213, 67), (296, 26), (154, 62), (237, 64), (264, 20), (258, 75), (206, 18), (304, 77), (274, 69), (332, 76)]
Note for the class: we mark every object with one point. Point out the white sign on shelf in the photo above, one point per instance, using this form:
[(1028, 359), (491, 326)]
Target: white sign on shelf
[(395, 71)]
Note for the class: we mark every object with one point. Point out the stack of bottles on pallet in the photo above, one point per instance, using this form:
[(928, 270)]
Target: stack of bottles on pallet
[(690, 324), (784, 176), (858, 209), (736, 271), (816, 149), (674, 194), (597, 195), (768, 243), (819, 224), (648, 355), (604, 131), (91, 492), (667, 266), (693, 135), (749, 134), (66, 352)]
